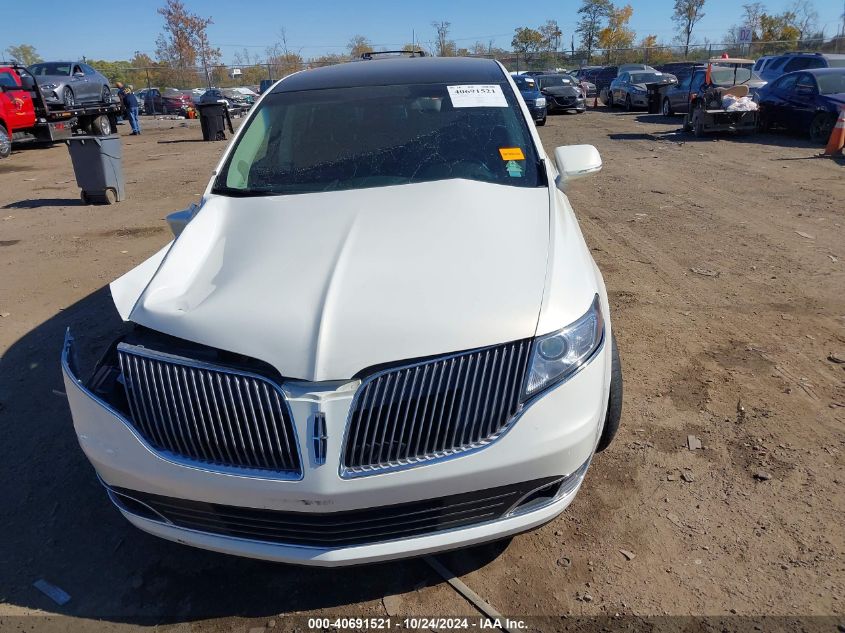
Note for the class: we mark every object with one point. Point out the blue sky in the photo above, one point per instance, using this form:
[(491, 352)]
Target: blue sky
[(324, 27)]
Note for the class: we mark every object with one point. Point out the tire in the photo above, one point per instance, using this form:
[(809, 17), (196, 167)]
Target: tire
[(5, 142), (628, 105), (67, 98), (105, 96), (614, 400), (697, 124), (110, 196), (101, 126), (541, 122), (821, 127), (666, 108)]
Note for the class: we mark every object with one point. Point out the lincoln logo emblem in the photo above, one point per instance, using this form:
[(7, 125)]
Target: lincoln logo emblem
[(319, 437)]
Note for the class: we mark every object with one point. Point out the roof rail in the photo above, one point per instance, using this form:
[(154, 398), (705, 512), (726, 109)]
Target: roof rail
[(372, 54)]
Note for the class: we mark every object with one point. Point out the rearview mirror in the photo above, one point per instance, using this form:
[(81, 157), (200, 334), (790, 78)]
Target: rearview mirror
[(576, 161)]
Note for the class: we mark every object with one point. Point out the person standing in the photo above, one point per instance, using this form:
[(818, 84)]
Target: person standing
[(130, 102)]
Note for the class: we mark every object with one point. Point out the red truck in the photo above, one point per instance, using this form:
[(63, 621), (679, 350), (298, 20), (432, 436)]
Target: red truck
[(24, 116)]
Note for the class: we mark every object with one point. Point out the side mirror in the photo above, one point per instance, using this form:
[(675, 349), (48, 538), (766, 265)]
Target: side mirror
[(179, 219), (575, 161)]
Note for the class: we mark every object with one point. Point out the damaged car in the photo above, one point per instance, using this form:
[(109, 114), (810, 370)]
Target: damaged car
[(379, 335)]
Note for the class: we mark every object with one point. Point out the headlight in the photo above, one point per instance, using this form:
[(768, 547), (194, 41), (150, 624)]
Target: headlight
[(556, 357), (540, 102), (49, 86)]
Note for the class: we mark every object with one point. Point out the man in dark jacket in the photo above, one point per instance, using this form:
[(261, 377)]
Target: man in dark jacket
[(130, 102)]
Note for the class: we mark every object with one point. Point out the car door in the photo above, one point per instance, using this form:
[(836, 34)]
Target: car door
[(15, 103), (695, 87), (94, 83), (800, 102), (620, 87), (775, 102), (679, 94), (79, 84)]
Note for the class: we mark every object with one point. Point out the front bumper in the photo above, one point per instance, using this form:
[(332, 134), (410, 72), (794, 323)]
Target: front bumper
[(554, 436), (566, 103), (638, 100)]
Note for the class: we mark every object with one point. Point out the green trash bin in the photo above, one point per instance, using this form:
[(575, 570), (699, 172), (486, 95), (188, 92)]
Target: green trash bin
[(97, 166)]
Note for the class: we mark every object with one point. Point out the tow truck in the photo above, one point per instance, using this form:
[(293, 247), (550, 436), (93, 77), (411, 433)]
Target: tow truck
[(25, 116)]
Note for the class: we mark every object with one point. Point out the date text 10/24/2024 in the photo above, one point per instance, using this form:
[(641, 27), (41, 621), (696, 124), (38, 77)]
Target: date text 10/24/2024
[(416, 623)]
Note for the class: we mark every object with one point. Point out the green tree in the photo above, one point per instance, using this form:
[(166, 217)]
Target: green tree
[(593, 14), (527, 43), (686, 15), (24, 54)]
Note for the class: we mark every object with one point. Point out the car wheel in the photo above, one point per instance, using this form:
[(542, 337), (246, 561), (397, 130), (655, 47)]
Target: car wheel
[(667, 108), (101, 126), (628, 105), (614, 401), (541, 122), (821, 127), (105, 97), (5, 143), (697, 124), (67, 98)]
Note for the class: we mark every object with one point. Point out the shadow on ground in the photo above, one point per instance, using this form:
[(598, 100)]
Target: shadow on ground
[(36, 203), (58, 524)]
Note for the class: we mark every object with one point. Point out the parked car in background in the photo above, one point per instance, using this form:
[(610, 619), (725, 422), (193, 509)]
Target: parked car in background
[(216, 95), (563, 93), (677, 98), (804, 101), (246, 412), (585, 72), (677, 68), (602, 79), (149, 100), (634, 67), (629, 88), (65, 84), (534, 99), (762, 62), (174, 101), (790, 62)]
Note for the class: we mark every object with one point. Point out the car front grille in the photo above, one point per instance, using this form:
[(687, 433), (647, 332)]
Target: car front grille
[(565, 101), (209, 414), (434, 409), (338, 529)]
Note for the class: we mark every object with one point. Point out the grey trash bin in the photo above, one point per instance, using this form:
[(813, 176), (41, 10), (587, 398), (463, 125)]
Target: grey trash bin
[(97, 165)]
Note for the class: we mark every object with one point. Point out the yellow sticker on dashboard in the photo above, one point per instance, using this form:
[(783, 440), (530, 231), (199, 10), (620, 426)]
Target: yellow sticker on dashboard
[(511, 153)]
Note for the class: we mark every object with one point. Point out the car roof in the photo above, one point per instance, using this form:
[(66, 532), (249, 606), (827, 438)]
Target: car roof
[(395, 71), (821, 71)]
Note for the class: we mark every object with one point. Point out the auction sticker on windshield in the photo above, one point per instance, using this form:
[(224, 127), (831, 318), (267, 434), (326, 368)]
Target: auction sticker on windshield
[(477, 96)]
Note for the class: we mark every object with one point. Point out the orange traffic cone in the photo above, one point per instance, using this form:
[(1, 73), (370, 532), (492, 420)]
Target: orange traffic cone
[(837, 136)]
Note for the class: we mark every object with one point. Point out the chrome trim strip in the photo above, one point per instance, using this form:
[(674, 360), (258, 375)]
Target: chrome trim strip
[(68, 361)]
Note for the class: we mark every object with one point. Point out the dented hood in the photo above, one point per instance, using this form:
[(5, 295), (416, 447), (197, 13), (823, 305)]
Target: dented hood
[(324, 285)]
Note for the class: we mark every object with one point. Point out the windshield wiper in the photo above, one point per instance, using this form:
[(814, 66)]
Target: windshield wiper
[(244, 193)]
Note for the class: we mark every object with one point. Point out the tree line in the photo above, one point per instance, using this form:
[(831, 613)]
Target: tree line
[(185, 57)]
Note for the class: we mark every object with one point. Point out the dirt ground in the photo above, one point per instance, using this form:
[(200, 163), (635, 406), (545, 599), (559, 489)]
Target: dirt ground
[(725, 263)]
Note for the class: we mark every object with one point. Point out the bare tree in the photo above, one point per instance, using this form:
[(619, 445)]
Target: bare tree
[(593, 15), (806, 17), (686, 15), (442, 29)]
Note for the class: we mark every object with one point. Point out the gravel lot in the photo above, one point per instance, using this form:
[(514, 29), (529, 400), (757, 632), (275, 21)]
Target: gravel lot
[(725, 263)]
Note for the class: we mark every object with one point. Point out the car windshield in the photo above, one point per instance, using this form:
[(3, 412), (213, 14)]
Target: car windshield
[(644, 78), (831, 83), (525, 83), (724, 76), (374, 136), (7, 80), (560, 80), (50, 68)]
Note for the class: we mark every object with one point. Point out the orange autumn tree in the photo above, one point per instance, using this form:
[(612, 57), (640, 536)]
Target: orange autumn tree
[(617, 34)]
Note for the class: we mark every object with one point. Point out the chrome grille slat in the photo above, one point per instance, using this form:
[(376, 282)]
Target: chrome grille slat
[(433, 409), (208, 414)]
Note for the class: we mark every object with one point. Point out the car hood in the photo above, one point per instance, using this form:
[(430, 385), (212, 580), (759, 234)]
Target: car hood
[(837, 97), (324, 285), (562, 91), (530, 95)]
